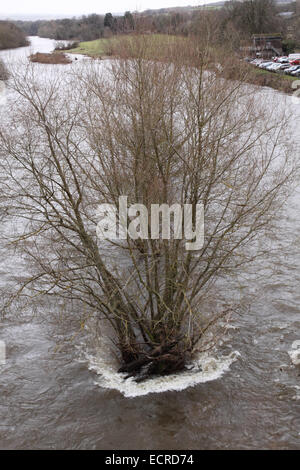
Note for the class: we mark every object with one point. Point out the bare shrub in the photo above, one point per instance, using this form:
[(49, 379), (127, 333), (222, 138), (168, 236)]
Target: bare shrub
[(4, 75), (62, 46), (53, 58)]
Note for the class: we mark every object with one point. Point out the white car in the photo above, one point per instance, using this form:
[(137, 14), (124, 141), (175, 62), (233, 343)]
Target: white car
[(296, 72), (288, 70), (256, 61), (291, 69), (282, 67), (264, 65), (273, 67), (283, 60)]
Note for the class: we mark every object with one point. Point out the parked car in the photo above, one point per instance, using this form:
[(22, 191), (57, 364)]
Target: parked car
[(283, 67), (257, 61), (295, 62), (283, 60), (294, 57), (291, 69), (295, 73), (264, 65), (273, 67)]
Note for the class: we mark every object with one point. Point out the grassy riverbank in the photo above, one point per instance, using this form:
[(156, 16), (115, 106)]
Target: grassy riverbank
[(280, 82), (95, 48)]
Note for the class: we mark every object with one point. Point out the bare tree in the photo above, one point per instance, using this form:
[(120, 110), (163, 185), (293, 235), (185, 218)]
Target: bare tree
[(158, 132), (254, 16), (3, 71)]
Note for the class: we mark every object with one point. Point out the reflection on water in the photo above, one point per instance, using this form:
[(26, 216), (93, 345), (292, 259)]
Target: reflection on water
[(36, 45), (50, 398)]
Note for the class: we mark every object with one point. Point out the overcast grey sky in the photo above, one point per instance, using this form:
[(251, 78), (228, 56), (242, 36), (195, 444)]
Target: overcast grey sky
[(78, 7)]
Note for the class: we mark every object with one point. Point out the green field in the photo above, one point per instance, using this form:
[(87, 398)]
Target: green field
[(100, 47), (92, 48)]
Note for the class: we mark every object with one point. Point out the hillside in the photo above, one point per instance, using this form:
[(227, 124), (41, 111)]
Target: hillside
[(11, 36)]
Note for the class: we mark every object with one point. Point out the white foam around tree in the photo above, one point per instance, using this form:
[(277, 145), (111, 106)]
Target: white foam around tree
[(295, 353), (204, 369)]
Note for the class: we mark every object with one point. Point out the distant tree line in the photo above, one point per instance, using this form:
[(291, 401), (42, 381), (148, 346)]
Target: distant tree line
[(85, 28), (234, 22), (11, 36), (240, 18)]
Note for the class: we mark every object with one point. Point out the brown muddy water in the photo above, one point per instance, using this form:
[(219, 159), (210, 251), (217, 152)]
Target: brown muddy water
[(69, 397)]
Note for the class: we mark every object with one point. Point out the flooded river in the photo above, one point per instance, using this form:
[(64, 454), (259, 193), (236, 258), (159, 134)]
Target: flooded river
[(58, 393)]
